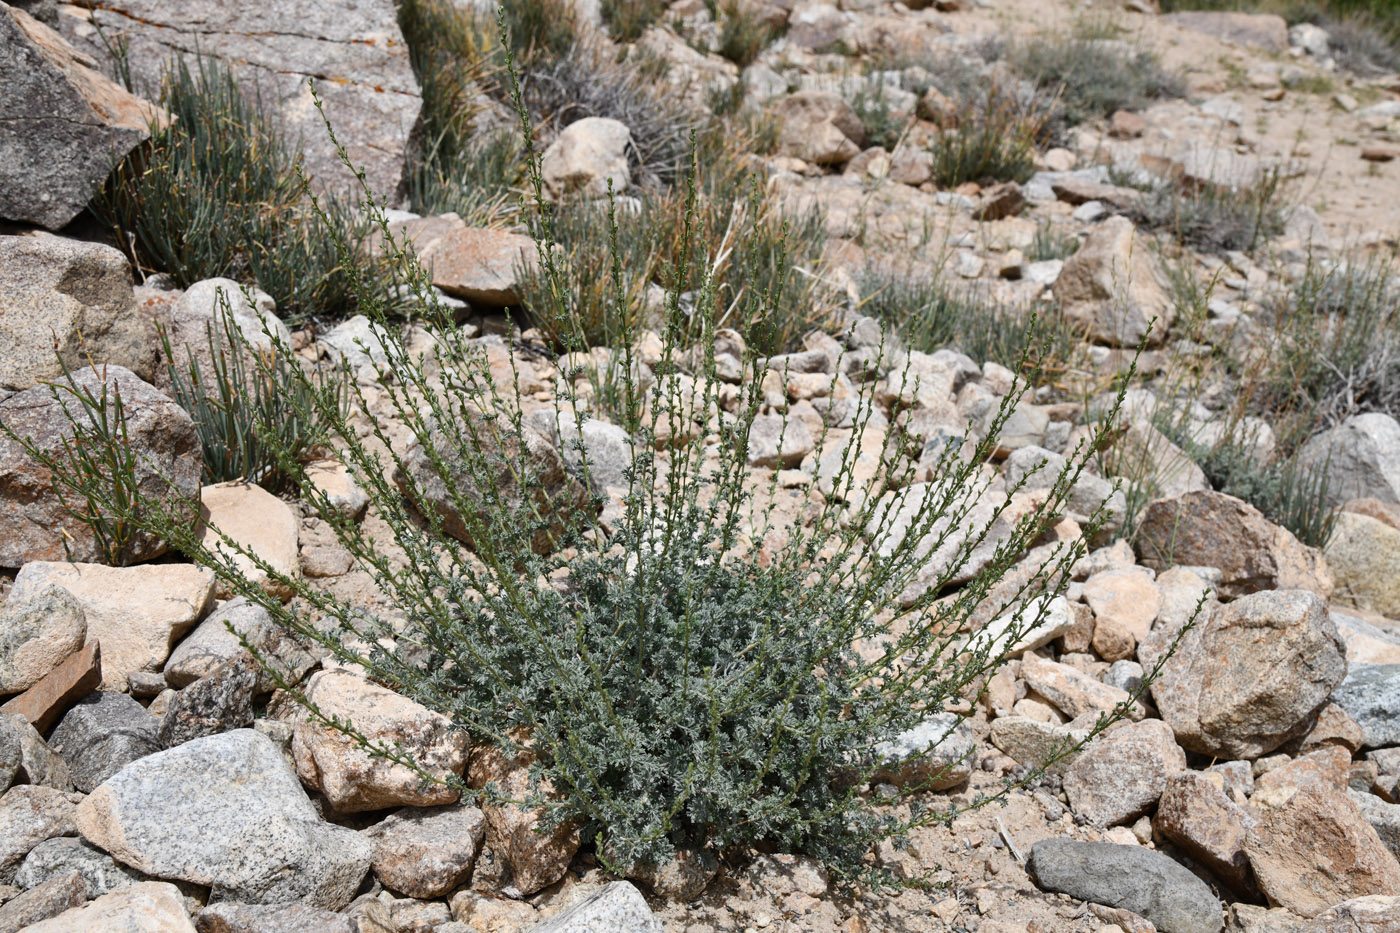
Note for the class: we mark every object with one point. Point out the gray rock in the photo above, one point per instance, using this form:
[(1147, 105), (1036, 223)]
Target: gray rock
[(358, 342), (227, 811), (67, 855), (30, 814), (53, 897), (219, 701), (1125, 675), (937, 754), (586, 156), (607, 447), (1384, 818), (101, 734), (36, 636), (352, 47), (615, 908), (65, 123), (34, 524), (227, 917), (11, 752), (1121, 775), (1129, 877), (1361, 456), (215, 641), (39, 764), (197, 331), (1371, 695)]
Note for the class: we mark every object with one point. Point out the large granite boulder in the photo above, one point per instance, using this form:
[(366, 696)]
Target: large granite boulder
[(1361, 456), (65, 123), (164, 450), (352, 48)]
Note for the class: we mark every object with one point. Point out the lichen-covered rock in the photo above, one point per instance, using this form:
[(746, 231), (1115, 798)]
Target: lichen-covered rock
[(219, 701)]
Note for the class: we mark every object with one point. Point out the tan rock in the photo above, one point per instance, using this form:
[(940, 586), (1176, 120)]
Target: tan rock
[(1211, 529), (1125, 604), (1113, 288), (1196, 813), (43, 703), (53, 896), (1121, 775), (332, 479), (1364, 554), (481, 265), (351, 778), (36, 636), (1277, 786), (1072, 691), (536, 859), (586, 156), (492, 914), (818, 127), (1034, 743), (147, 906), (1378, 913), (427, 852), (29, 815), (1334, 727), (256, 521), (1253, 675), (137, 613), (1317, 850)]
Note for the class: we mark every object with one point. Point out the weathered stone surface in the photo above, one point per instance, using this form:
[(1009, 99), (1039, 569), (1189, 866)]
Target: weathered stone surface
[(1129, 877), (34, 524), (1211, 529), (353, 49), (136, 612), (1262, 30), (51, 697), (1073, 692), (608, 448), (1371, 695), (38, 763), (101, 735), (350, 777), (225, 811), (818, 127), (215, 640), (1125, 604), (333, 479), (1383, 816), (1253, 675), (1030, 742), (557, 490), (1197, 814), (587, 155), (1361, 456), (1121, 775), (535, 860), (30, 814), (1325, 766), (482, 265), (427, 852), (228, 917), (617, 907), (1364, 556), (778, 442), (197, 327), (1113, 288), (11, 752), (53, 897), (258, 522), (148, 907), (1379, 913), (67, 855), (37, 635), (219, 701), (682, 877), (937, 754), (1317, 850), (65, 124)]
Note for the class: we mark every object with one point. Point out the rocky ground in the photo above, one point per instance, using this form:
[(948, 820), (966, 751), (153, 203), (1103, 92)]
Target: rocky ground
[(153, 777)]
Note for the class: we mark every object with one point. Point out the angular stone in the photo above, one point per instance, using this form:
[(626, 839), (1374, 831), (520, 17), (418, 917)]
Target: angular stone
[(333, 480), (683, 877), (1371, 695), (1329, 766), (258, 522), (427, 852), (482, 265), (219, 701), (617, 907), (515, 833), (1211, 529), (1253, 675), (937, 754), (999, 202), (67, 855), (197, 328), (53, 897), (1132, 878), (1121, 775), (1361, 456), (1383, 816), (1125, 604), (43, 703), (11, 752), (1364, 556), (349, 776), (353, 49), (226, 811), (215, 641), (136, 612), (608, 448), (65, 124), (34, 524), (1073, 692), (1379, 913), (1034, 626), (1030, 742), (36, 636), (818, 127), (1113, 288), (148, 907), (778, 442), (29, 815), (1317, 850), (103, 734), (227, 917), (1198, 815), (586, 157), (38, 763)]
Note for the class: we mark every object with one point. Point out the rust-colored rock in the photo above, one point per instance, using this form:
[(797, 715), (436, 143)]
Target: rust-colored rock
[(43, 703), (1198, 815)]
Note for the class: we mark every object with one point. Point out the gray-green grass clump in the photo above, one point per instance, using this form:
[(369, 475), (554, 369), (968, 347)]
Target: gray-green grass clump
[(699, 668)]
